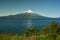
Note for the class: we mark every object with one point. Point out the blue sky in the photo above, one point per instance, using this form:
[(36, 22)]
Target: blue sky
[(50, 8)]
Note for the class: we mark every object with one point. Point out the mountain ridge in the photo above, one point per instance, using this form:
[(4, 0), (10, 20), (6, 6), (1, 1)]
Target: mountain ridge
[(25, 16)]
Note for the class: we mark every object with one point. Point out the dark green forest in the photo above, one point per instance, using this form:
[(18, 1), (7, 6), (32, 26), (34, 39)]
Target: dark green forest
[(48, 32)]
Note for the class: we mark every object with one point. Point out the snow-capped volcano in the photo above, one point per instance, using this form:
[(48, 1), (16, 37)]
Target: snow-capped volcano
[(29, 14), (28, 11)]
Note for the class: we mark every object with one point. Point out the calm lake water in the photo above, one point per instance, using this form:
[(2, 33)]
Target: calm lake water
[(18, 26)]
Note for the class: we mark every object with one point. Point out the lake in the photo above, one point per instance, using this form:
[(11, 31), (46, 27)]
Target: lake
[(18, 26)]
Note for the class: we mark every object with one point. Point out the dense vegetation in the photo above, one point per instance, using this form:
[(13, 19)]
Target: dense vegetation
[(50, 32)]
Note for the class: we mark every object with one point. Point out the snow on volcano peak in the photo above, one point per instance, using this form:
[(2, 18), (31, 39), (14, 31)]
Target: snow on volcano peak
[(28, 11)]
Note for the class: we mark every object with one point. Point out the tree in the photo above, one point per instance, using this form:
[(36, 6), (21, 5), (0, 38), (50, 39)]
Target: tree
[(31, 31), (53, 30)]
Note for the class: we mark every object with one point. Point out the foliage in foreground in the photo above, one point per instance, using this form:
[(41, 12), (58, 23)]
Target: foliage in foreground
[(51, 32)]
